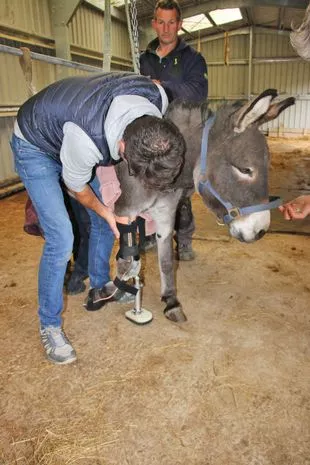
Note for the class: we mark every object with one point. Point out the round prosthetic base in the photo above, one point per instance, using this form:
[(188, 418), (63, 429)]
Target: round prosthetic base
[(140, 318)]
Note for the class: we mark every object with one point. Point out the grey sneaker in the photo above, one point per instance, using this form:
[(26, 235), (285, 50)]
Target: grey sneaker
[(57, 346)]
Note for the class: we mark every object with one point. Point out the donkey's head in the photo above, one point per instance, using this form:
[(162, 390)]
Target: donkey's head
[(236, 170)]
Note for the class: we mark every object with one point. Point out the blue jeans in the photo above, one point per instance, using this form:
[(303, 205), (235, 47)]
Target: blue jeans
[(40, 173)]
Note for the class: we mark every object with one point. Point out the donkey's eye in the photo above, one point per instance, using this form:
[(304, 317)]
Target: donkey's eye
[(244, 172), (247, 171)]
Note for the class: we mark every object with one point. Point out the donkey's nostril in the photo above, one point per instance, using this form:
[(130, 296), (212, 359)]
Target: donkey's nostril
[(241, 237), (260, 234)]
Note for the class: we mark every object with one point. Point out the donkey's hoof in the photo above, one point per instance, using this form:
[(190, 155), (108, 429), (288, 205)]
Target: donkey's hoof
[(175, 314), (185, 253), (173, 310)]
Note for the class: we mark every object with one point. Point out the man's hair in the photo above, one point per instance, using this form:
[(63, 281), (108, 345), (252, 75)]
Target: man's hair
[(168, 5), (155, 151)]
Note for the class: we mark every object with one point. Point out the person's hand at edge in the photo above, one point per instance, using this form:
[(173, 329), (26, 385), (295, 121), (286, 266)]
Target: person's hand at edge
[(296, 209)]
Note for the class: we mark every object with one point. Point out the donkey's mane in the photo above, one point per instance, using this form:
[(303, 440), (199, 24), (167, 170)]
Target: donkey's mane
[(185, 113), (185, 104)]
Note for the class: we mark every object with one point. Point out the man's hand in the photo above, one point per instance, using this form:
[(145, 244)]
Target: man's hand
[(110, 218), (87, 198)]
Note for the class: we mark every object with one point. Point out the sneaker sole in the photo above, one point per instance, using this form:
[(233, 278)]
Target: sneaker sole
[(64, 362), (93, 307)]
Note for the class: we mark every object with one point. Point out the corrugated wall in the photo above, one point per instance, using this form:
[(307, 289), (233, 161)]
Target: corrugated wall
[(31, 16), (6, 162), (29, 22), (230, 75), (87, 29), (227, 81), (289, 78), (274, 65)]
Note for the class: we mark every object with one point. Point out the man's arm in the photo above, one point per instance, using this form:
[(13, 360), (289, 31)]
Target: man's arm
[(87, 198), (79, 155)]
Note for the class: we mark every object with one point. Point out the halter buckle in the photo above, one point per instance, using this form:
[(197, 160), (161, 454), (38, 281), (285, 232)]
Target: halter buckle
[(234, 212)]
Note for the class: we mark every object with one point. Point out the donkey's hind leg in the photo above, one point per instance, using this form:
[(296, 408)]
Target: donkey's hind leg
[(184, 228)]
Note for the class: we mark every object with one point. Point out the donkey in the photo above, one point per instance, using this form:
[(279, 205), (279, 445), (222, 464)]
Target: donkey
[(229, 169)]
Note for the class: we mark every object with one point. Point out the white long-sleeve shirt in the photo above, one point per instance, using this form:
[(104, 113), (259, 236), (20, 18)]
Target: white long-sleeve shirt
[(79, 154)]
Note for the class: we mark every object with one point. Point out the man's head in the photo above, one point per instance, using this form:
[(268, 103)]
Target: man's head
[(154, 149), (167, 21)]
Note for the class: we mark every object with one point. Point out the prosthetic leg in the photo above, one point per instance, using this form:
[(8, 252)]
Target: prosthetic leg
[(128, 268), (139, 315)]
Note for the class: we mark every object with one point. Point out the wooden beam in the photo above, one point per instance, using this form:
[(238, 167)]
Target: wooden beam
[(281, 18), (63, 10), (247, 14), (107, 37), (116, 13)]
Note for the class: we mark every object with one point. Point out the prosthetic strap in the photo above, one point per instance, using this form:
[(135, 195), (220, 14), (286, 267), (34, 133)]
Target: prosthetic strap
[(128, 247), (123, 286)]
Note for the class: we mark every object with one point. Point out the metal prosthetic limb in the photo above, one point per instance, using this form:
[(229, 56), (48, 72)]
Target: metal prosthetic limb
[(128, 264)]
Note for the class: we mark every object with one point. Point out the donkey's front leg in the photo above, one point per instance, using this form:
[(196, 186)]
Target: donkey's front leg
[(164, 220)]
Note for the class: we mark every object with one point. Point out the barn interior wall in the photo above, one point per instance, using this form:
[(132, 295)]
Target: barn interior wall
[(274, 64), (28, 23), (234, 71)]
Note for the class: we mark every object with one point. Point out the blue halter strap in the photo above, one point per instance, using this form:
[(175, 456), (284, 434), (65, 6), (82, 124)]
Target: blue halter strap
[(232, 212)]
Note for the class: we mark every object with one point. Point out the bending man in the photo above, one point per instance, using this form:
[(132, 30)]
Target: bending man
[(60, 135)]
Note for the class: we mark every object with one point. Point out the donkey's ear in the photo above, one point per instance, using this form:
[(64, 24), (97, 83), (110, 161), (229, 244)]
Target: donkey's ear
[(254, 110), (275, 109)]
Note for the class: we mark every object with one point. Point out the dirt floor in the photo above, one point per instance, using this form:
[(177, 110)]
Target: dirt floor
[(228, 387)]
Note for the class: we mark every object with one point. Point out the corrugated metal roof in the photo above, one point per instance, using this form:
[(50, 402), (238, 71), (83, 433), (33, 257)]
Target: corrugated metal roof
[(273, 14)]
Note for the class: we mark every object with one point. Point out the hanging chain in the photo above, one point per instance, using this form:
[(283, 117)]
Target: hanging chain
[(135, 32)]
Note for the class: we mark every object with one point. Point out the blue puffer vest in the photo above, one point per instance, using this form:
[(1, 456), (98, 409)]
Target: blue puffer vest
[(84, 101)]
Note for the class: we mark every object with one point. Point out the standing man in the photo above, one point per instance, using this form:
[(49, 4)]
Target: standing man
[(61, 134), (182, 72)]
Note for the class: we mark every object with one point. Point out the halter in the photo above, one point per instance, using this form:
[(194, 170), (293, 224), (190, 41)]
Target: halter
[(232, 212)]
